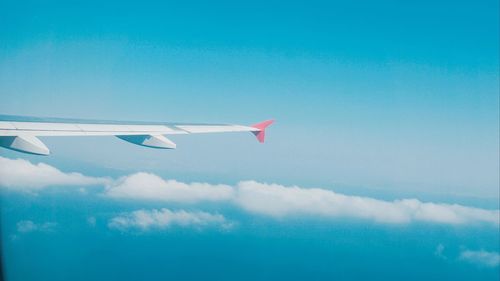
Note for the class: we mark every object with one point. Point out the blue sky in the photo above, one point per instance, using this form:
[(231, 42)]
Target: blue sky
[(400, 96), (386, 99)]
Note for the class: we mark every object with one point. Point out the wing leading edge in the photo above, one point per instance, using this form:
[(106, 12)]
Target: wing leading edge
[(21, 133)]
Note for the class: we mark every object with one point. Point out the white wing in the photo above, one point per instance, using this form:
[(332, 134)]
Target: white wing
[(20, 133)]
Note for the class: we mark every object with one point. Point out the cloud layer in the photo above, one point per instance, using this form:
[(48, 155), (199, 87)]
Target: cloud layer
[(280, 201), (21, 174), (272, 200), (160, 219), (277, 200)]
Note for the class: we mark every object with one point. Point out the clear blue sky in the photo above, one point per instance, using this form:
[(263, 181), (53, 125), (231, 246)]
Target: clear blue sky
[(382, 99)]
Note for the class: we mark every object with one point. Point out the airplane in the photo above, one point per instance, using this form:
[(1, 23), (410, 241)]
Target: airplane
[(20, 133)]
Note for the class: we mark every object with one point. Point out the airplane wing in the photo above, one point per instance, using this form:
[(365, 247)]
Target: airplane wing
[(21, 133)]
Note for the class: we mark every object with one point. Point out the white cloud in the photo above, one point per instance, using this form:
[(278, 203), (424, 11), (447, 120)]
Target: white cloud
[(27, 226), (151, 187), (164, 218), (267, 199), (490, 259), (21, 174), (279, 201)]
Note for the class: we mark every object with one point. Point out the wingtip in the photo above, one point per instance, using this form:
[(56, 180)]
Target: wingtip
[(261, 133), (263, 125)]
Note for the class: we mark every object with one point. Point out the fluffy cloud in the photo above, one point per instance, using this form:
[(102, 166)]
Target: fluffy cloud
[(24, 175), (279, 201), (160, 219), (490, 259), (27, 226), (151, 187), (266, 199)]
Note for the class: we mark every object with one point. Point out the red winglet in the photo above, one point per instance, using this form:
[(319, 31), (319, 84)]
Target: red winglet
[(261, 134)]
